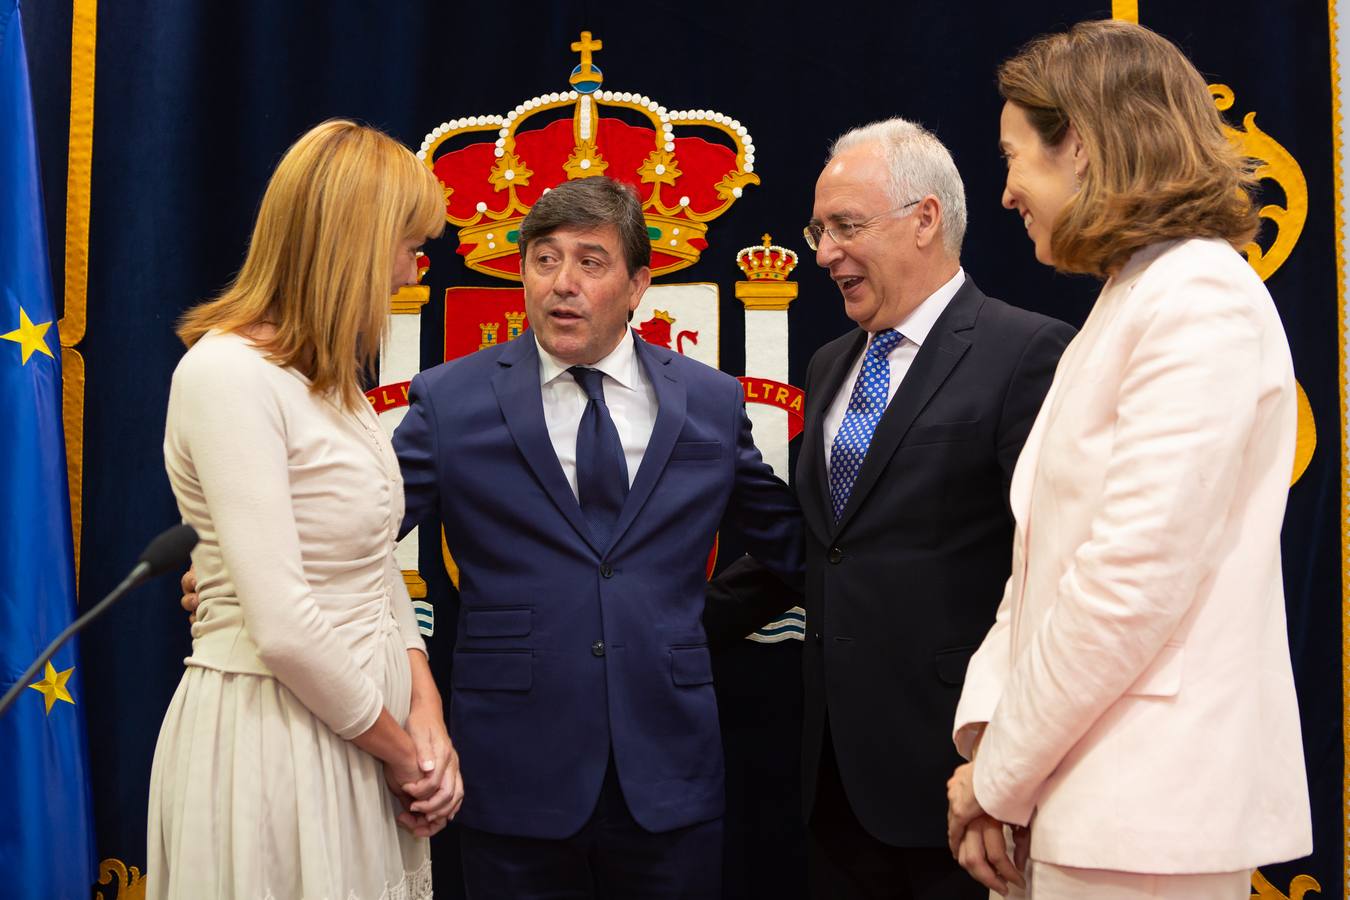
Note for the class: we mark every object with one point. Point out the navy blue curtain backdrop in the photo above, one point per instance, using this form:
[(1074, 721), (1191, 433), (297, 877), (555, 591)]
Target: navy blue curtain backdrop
[(196, 101)]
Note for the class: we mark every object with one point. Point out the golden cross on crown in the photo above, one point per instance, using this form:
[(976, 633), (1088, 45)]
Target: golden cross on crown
[(586, 47)]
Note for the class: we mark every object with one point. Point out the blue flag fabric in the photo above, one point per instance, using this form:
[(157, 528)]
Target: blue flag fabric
[(46, 838)]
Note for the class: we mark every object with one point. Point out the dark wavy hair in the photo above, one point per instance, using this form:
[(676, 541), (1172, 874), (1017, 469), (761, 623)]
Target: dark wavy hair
[(591, 202)]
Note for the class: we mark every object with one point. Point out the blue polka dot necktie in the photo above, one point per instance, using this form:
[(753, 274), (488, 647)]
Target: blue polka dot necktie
[(865, 407), (602, 470)]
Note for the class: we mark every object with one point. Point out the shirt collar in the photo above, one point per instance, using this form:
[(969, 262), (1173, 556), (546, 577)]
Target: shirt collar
[(919, 322), (621, 363)]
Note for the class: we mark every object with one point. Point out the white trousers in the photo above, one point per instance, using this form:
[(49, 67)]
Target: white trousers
[(1047, 882)]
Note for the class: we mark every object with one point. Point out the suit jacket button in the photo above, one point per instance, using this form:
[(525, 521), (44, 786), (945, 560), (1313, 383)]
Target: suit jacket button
[(816, 635), (835, 555), (606, 570), (598, 648)]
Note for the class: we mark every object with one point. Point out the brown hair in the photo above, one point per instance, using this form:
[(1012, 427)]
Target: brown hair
[(1159, 164), (592, 202), (319, 262)]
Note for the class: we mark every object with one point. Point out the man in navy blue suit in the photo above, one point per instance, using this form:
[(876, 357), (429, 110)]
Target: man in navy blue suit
[(580, 475)]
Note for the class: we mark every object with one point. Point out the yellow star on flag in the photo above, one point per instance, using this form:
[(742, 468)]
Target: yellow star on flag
[(29, 336), (53, 687)]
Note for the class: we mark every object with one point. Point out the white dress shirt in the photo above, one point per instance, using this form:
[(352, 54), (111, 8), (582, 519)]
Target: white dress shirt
[(628, 394), (914, 330)]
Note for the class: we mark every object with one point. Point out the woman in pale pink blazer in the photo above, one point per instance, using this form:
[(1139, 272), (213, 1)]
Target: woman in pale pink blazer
[(1133, 704)]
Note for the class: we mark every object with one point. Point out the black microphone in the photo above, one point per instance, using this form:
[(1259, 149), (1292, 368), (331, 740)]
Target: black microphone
[(167, 552)]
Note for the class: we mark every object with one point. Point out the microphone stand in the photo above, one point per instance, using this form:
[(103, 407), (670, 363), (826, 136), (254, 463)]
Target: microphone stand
[(169, 548), (137, 575)]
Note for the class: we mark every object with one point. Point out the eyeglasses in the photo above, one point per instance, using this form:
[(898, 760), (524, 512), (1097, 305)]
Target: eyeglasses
[(844, 232)]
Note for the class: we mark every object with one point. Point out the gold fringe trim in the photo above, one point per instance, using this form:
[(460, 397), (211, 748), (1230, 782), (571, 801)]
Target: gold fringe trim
[(83, 31), (79, 169), (1337, 166), (72, 419), (1126, 10)]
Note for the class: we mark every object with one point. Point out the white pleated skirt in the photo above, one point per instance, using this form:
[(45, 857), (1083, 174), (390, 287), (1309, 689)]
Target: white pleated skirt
[(253, 798)]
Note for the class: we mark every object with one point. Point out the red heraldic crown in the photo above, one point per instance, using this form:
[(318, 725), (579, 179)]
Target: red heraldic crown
[(683, 180)]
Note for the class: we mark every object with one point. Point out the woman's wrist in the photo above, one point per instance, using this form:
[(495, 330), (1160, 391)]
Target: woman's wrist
[(387, 741), (424, 690)]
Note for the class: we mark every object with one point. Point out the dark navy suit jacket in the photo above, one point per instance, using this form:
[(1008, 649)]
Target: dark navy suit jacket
[(903, 587), (568, 647)]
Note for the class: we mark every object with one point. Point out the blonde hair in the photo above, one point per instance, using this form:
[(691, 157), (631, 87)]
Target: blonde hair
[(1159, 164), (319, 262)]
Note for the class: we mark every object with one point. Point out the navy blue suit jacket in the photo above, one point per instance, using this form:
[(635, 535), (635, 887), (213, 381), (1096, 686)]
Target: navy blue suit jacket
[(901, 589), (567, 647)]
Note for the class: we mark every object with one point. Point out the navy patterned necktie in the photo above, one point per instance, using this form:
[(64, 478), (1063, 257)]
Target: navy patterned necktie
[(602, 470), (865, 407)]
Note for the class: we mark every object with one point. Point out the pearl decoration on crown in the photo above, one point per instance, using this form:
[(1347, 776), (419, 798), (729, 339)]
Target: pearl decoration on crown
[(679, 197), (505, 125)]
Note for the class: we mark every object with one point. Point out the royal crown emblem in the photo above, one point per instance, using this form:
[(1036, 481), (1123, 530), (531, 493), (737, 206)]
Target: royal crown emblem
[(688, 166), (767, 262)]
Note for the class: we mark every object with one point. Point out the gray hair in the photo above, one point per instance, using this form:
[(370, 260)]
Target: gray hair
[(920, 165), (592, 202)]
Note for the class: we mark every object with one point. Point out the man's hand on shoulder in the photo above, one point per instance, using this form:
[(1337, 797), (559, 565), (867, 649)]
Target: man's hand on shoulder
[(190, 601)]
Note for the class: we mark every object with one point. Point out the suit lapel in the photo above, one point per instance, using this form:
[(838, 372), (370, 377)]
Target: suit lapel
[(671, 405), (813, 487), (946, 344), (516, 385), (1024, 473)]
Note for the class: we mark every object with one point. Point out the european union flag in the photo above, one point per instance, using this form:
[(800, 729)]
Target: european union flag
[(46, 840)]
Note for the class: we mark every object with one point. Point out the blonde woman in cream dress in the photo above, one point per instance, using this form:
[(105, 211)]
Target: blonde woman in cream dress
[(304, 754)]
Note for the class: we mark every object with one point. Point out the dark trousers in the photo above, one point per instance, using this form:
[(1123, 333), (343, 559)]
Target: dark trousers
[(848, 863), (611, 858)]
